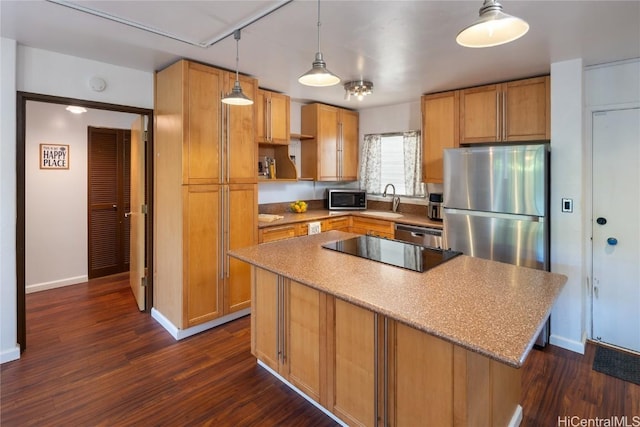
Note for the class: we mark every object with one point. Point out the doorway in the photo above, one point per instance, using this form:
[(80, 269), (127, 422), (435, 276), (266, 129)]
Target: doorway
[(21, 162), (108, 200), (616, 228)]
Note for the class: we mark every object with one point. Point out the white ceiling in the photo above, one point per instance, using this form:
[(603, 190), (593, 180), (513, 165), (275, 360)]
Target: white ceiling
[(406, 48)]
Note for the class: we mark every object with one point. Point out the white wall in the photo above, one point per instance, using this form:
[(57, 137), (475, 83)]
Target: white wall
[(38, 71), (56, 200), (392, 118), (567, 181), (8, 337)]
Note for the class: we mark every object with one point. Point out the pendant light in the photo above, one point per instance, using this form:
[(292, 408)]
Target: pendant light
[(493, 28), (318, 75), (236, 97)]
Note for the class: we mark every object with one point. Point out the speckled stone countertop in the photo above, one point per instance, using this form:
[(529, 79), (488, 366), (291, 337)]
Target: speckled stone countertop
[(320, 214), (488, 307)]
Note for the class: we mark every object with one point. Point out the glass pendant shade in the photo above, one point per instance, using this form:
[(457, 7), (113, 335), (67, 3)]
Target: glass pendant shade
[(236, 96), (493, 28)]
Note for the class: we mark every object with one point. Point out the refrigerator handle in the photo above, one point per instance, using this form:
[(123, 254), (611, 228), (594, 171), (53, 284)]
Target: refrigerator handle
[(499, 215)]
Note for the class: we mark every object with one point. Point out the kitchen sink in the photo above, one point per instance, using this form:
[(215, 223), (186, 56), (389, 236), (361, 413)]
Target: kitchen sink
[(384, 214)]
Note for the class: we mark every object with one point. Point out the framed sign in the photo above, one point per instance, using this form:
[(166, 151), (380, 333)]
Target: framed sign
[(54, 156)]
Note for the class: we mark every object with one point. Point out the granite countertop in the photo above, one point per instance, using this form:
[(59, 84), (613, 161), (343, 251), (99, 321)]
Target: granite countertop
[(320, 214), (492, 308)]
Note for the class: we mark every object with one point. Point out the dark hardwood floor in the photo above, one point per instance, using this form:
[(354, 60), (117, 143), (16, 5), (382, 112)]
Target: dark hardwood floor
[(93, 359)]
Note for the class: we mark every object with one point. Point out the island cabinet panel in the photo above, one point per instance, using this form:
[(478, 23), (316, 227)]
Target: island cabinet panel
[(440, 130), (332, 152), (354, 367), (289, 331), (507, 112), (420, 378)]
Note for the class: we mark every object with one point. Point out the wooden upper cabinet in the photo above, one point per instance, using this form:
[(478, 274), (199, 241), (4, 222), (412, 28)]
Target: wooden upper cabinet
[(239, 147), (512, 111), (528, 109), (218, 143), (332, 153), (440, 130), (272, 118)]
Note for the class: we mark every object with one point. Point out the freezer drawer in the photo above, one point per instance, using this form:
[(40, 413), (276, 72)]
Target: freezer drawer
[(514, 239)]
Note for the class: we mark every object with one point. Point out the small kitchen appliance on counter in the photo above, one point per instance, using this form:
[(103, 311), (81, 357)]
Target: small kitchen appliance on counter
[(344, 199), (434, 208)]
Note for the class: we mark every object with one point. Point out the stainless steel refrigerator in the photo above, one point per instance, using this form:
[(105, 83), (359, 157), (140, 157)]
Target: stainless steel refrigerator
[(496, 205)]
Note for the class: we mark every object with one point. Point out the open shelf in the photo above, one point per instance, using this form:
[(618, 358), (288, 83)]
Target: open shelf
[(285, 168), (300, 136)]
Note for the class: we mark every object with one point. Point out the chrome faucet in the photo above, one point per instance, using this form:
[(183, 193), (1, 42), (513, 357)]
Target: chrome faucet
[(395, 200)]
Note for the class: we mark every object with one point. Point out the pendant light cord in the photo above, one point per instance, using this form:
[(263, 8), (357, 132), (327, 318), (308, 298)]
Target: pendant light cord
[(236, 35), (319, 26)]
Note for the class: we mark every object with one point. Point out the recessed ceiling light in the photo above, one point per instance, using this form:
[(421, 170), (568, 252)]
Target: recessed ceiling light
[(75, 109)]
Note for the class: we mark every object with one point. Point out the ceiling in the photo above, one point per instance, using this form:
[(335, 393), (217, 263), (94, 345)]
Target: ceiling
[(406, 48)]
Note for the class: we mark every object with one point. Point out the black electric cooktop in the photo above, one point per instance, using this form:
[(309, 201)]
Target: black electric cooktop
[(393, 252)]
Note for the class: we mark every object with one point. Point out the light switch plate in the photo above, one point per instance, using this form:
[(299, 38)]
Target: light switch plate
[(567, 205)]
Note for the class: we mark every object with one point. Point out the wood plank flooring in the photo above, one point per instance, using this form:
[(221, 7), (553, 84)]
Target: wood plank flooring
[(94, 360)]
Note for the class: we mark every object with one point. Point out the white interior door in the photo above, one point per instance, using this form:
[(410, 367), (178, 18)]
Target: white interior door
[(137, 214), (616, 227)]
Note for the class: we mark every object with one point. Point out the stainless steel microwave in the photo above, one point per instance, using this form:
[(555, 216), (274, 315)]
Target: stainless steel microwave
[(345, 200)]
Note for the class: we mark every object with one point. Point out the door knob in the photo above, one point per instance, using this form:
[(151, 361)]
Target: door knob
[(601, 220), (612, 241), (127, 214)]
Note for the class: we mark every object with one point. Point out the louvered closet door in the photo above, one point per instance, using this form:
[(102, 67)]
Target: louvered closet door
[(108, 200)]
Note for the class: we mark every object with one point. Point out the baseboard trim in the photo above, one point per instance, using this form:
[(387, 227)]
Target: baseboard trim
[(302, 394), (179, 334), (572, 345), (38, 287), (516, 419), (10, 355)]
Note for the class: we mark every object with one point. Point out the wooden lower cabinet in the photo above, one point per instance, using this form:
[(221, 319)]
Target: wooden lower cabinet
[(372, 227), (287, 331), (369, 370), (354, 364)]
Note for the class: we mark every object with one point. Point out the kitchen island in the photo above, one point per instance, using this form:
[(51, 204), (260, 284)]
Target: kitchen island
[(374, 344)]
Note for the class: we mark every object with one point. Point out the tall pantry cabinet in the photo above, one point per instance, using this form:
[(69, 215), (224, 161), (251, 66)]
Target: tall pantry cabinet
[(205, 193)]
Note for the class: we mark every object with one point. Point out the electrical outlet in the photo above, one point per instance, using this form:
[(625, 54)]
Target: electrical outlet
[(567, 205)]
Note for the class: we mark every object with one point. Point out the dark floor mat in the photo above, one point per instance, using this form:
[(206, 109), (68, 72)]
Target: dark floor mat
[(618, 364)]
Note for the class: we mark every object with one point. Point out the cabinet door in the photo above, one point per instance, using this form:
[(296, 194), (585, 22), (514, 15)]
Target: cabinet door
[(265, 317), (479, 114), (279, 112), (327, 143), (527, 110), (241, 230), (306, 339), (240, 149), (272, 234), (372, 226), (354, 363), (421, 378), (262, 111), (348, 146), (440, 130), (203, 236), (201, 133)]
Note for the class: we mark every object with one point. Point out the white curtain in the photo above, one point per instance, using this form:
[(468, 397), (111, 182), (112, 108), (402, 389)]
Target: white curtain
[(370, 164), (413, 164)]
